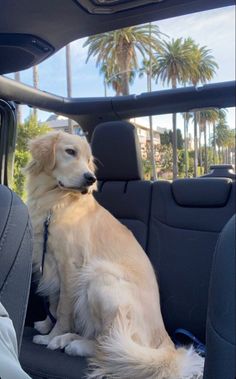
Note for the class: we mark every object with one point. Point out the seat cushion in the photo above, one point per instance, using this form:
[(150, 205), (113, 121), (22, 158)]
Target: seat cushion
[(193, 193), (42, 363)]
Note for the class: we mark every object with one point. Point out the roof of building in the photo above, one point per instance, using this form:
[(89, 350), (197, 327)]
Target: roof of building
[(157, 129), (58, 121)]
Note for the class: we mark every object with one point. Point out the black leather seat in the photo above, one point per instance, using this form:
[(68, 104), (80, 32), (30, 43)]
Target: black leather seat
[(187, 217), (221, 321), (15, 257)]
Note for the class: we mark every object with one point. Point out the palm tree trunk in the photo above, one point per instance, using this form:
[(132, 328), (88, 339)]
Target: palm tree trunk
[(149, 88), (126, 83), (210, 148), (186, 144), (68, 82), (174, 142), (214, 142), (36, 85), (200, 149), (222, 155), (195, 145), (123, 59), (205, 149), (105, 87), (225, 155), (154, 172), (18, 106), (228, 155)]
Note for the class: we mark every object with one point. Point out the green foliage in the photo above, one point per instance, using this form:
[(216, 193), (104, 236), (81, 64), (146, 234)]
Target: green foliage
[(224, 136), (181, 163), (29, 130), (180, 140), (147, 168), (165, 161), (21, 160), (26, 131), (167, 138)]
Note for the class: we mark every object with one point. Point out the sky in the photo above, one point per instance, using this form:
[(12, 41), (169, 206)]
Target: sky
[(214, 29)]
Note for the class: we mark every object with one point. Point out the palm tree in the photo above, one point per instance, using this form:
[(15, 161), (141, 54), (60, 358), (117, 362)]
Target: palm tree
[(36, 85), (222, 135), (204, 68), (230, 144), (118, 51), (202, 118), (213, 117), (174, 66), (221, 116), (147, 67)]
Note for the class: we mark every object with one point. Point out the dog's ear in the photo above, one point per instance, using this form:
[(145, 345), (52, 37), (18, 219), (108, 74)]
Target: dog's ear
[(42, 150)]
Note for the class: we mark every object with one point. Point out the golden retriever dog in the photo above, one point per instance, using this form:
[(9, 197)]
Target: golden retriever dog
[(100, 283)]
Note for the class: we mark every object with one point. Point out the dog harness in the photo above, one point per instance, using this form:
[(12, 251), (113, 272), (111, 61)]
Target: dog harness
[(45, 242), (45, 238)]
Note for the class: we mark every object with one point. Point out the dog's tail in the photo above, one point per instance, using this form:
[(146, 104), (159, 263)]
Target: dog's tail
[(119, 357)]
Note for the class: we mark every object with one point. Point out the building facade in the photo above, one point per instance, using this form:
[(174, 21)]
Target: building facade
[(143, 132)]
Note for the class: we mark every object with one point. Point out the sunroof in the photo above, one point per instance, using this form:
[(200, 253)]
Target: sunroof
[(113, 6)]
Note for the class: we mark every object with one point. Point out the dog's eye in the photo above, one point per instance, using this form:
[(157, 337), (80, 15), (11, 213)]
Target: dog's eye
[(71, 152)]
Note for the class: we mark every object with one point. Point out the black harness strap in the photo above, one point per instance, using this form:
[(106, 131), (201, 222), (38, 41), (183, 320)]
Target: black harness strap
[(45, 238), (45, 241)]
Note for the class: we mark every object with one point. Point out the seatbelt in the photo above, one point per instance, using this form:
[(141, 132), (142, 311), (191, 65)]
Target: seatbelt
[(184, 337)]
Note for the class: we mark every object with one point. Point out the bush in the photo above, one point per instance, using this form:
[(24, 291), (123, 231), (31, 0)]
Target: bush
[(26, 131)]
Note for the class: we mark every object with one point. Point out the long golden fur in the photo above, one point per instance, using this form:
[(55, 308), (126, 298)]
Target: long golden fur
[(101, 286)]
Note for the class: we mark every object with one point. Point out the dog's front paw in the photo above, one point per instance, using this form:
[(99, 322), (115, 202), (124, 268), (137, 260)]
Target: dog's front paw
[(74, 349), (82, 348), (59, 342), (44, 326), (41, 340)]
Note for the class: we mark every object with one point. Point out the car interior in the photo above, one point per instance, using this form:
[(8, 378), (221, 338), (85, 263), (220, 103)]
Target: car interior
[(186, 227)]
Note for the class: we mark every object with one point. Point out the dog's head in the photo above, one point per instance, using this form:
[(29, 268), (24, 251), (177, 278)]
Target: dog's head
[(66, 158)]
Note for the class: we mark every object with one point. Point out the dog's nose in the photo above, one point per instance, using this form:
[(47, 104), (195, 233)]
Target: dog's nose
[(90, 178)]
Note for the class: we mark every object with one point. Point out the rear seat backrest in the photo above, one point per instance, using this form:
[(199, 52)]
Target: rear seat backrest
[(186, 219), (121, 189)]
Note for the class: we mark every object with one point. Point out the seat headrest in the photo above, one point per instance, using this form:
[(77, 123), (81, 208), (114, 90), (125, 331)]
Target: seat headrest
[(116, 149), (202, 192)]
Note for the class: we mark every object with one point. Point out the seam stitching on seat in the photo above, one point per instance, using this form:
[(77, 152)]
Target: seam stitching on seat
[(183, 228), (5, 229)]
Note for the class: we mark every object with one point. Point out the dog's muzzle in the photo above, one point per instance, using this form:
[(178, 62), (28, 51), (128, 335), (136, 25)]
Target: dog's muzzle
[(89, 180)]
